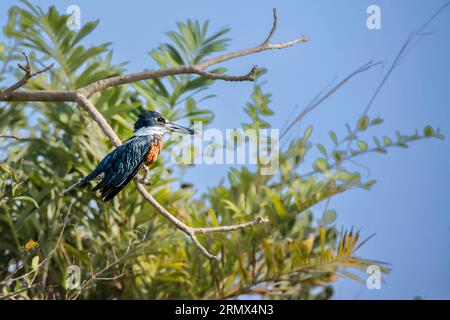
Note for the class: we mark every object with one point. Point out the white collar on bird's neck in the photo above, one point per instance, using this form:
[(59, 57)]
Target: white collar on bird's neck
[(147, 131)]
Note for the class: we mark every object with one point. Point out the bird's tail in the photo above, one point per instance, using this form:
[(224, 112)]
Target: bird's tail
[(80, 183), (91, 176)]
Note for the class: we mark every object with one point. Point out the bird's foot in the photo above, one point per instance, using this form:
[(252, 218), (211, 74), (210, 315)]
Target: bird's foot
[(145, 181)]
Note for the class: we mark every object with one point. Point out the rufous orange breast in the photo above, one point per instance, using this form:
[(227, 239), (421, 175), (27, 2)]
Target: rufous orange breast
[(153, 153)]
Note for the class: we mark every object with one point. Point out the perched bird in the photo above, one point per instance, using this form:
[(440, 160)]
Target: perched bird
[(119, 167)]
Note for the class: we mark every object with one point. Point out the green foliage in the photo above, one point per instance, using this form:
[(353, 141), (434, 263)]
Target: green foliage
[(124, 248)]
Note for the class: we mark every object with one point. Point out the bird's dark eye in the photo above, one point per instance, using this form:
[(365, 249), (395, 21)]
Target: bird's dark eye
[(160, 120)]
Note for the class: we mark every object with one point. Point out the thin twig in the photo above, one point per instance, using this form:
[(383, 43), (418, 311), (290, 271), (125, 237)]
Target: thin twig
[(274, 28), (215, 76), (96, 276), (230, 228), (29, 73), (319, 99), (6, 136)]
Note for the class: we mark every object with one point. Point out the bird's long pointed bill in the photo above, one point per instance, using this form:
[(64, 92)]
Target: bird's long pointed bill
[(173, 127)]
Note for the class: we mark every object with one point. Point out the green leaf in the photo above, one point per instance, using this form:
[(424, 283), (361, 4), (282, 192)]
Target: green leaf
[(307, 245), (368, 184), (376, 121), (321, 165), (337, 155), (428, 131), (231, 206), (362, 145), (344, 176), (348, 177), (363, 123), (387, 141), (308, 133), (213, 217), (35, 262), (322, 149), (276, 201), (26, 199), (333, 137), (85, 30)]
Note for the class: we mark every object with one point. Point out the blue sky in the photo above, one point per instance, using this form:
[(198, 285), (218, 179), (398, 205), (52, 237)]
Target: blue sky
[(408, 208)]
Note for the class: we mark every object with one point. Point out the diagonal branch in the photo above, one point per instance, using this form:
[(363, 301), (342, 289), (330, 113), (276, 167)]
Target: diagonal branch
[(17, 138), (29, 73), (322, 97), (89, 107)]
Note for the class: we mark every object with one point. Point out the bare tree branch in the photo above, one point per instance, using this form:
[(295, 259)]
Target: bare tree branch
[(259, 220), (41, 96), (29, 73), (87, 91), (96, 276), (274, 28), (322, 97), (246, 52), (215, 76), (190, 231), (7, 136), (89, 107)]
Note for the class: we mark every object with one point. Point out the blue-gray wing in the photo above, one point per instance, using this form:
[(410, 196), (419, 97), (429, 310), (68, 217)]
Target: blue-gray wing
[(121, 165)]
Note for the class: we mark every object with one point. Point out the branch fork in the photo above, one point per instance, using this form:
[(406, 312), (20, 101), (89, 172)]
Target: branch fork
[(81, 97), (29, 73)]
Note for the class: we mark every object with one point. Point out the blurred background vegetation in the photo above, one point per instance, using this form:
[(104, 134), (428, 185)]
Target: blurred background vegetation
[(124, 249)]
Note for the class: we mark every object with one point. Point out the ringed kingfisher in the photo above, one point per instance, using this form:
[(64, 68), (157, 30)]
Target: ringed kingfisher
[(120, 166)]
